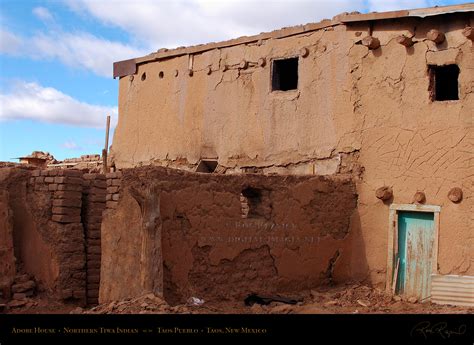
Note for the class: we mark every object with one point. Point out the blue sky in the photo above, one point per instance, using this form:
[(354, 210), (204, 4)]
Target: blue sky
[(56, 56)]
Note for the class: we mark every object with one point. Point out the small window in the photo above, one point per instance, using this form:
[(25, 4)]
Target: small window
[(250, 200), (444, 82), (206, 166), (285, 74)]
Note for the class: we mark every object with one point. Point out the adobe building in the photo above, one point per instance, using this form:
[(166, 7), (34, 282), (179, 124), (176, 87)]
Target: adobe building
[(314, 155), (385, 98)]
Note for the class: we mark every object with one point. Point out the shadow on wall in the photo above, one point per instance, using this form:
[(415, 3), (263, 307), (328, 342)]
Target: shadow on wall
[(225, 237)]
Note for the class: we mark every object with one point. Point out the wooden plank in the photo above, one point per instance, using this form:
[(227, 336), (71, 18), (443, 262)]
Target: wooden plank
[(395, 276)]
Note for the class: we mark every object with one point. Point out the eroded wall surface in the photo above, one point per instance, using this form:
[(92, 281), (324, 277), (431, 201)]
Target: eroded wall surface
[(368, 112), (297, 235)]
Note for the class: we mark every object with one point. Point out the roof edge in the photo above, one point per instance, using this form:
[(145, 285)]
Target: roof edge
[(128, 67)]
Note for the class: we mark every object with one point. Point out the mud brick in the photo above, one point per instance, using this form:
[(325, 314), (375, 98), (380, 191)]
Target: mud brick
[(71, 187), (68, 180), (86, 185), (111, 175), (91, 286), (98, 190), (53, 173), (70, 211), (93, 250), (109, 182), (44, 173), (68, 195), (93, 293), (41, 187), (108, 197), (93, 226), (22, 287), (49, 179), (116, 182), (53, 187), (94, 219), (39, 179), (32, 180), (71, 173), (97, 197), (115, 197), (99, 183), (93, 279), (113, 189), (111, 204), (36, 173), (67, 202), (61, 218), (88, 176), (93, 234)]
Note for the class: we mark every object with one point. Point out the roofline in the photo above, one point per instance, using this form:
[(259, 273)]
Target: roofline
[(128, 67)]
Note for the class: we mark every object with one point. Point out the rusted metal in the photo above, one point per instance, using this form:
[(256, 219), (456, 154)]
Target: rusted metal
[(124, 68), (452, 289)]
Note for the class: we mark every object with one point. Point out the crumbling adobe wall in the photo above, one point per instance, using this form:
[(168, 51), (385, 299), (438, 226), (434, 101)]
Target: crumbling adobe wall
[(43, 215), (7, 256), (301, 239), (93, 204)]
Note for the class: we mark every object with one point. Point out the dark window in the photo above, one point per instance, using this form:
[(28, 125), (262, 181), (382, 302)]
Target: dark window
[(206, 166), (250, 200), (285, 74), (444, 82)]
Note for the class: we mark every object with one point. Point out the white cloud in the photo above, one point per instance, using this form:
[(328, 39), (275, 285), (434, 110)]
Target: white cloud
[(71, 145), (393, 5), (43, 14), (82, 50), (172, 23), (46, 104), (10, 43), (79, 50)]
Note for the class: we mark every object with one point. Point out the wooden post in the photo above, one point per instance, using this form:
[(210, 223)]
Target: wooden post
[(151, 256), (106, 148)]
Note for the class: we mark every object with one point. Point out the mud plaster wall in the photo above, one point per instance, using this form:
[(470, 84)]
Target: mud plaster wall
[(300, 240), (349, 100)]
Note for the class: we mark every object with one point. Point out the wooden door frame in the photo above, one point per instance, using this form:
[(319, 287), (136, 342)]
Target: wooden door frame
[(393, 236)]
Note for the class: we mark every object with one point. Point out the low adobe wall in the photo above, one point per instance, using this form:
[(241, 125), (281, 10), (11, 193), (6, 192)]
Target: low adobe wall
[(224, 237), (50, 229)]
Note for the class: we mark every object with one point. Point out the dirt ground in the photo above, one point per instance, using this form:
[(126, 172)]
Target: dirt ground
[(343, 299)]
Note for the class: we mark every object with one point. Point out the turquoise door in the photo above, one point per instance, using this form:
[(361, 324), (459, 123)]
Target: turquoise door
[(415, 251)]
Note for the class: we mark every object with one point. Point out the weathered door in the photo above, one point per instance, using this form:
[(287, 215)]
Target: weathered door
[(415, 251)]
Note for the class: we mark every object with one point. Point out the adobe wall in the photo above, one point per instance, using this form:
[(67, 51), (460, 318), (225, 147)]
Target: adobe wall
[(298, 238), (369, 109), (47, 230)]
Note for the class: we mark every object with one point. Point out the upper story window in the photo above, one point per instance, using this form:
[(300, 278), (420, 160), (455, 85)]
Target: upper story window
[(444, 83), (285, 74)]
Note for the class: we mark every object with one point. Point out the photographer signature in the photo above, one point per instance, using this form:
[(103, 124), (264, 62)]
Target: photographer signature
[(426, 329)]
